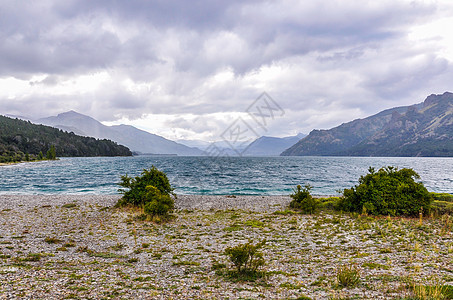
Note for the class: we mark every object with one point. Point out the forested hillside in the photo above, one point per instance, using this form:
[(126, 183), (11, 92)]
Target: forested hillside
[(21, 140)]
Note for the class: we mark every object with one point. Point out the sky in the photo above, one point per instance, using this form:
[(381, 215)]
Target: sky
[(192, 69)]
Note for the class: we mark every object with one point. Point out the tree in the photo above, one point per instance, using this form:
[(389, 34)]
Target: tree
[(51, 153)]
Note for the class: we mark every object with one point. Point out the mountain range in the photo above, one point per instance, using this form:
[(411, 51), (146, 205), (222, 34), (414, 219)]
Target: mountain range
[(271, 146), (262, 146), (424, 129), (144, 142), (135, 139)]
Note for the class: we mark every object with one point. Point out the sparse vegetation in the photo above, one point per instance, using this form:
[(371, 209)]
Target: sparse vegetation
[(45, 249)]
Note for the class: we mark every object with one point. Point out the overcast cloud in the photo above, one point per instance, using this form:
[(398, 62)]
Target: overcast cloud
[(187, 69)]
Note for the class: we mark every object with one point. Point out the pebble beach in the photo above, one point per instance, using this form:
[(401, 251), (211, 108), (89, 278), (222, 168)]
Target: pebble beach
[(81, 247)]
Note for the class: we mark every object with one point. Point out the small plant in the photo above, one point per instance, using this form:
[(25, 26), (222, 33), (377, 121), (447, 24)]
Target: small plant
[(118, 247), (246, 258), (52, 240), (32, 257), (435, 291), (303, 200), (69, 205), (69, 244), (348, 276)]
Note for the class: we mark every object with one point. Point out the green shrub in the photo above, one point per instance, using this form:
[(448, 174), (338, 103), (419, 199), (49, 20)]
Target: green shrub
[(246, 257), (157, 204), (330, 203), (137, 192), (388, 191), (303, 200), (442, 197), (442, 208)]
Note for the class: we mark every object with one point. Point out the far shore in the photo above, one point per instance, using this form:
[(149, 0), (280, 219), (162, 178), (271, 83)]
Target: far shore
[(23, 162)]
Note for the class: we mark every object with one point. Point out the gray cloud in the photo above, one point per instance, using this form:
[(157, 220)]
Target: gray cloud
[(329, 59)]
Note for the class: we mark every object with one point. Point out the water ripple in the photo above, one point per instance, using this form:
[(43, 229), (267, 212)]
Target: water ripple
[(223, 175)]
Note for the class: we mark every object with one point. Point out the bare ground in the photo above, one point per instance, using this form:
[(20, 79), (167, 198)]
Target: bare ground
[(80, 247)]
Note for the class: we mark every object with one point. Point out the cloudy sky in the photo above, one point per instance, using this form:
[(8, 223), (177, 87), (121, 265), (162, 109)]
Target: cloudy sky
[(189, 69)]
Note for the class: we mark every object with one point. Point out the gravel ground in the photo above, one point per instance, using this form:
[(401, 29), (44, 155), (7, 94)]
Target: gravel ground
[(80, 247)]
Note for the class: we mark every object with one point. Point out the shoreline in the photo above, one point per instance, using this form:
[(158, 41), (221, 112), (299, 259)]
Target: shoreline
[(200, 202), (78, 246)]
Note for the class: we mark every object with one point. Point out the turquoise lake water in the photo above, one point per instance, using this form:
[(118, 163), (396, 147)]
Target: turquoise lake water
[(222, 175)]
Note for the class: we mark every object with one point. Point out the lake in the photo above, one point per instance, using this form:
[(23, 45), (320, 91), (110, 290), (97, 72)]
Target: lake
[(216, 176)]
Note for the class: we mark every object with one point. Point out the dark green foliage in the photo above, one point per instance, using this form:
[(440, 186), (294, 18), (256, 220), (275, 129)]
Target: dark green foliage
[(303, 200), (18, 137), (442, 197), (157, 204), (51, 153), (388, 191), (246, 257), (442, 208), (152, 191), (137, 192), (330, 203)]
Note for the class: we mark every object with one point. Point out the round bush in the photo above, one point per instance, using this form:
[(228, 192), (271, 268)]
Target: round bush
[(388, 191), (137, 192)]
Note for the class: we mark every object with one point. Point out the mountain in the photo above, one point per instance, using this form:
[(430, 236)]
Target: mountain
[(146, 142), (194, 143), (339, 139), (135, 139), (271, 146), (262, 146), (423, 129), (18, 137)]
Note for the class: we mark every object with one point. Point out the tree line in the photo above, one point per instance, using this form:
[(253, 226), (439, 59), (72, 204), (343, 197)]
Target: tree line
[(24, 141)]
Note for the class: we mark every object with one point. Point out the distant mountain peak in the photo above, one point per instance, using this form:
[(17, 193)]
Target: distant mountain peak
[(136, 139), (433, 98), (424, 129), (73, 114), (271, 146)]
